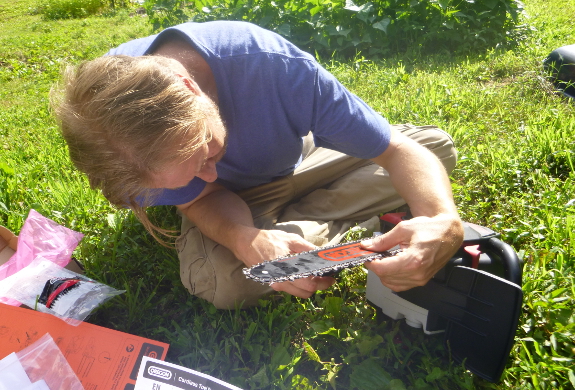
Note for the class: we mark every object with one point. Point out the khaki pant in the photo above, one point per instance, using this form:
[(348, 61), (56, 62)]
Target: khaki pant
[(328, 193)]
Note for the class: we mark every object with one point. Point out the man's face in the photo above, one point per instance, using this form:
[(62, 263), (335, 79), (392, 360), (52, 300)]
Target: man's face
[(202, 163)]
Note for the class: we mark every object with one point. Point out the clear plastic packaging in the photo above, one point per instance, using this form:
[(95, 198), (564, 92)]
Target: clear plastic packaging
[(12, 374), (44, 365), (49, 288), (40, 385), (40, 236)]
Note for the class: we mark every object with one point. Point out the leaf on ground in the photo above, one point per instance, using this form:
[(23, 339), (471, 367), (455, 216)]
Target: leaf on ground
[(311, 352), (280, 357), (370, 375), (435, 374)]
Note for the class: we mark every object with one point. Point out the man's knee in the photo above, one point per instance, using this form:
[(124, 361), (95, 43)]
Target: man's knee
[(436, 140), (211, 272)]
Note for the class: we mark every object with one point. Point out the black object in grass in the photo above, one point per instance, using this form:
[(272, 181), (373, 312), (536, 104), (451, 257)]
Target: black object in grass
[(561, 65)]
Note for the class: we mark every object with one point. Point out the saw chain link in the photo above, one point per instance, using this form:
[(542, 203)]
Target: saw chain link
[(336, 267)]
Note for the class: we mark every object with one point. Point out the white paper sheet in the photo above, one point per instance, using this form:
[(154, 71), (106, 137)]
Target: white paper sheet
[(158, 375), (40, 385), (12, 374)]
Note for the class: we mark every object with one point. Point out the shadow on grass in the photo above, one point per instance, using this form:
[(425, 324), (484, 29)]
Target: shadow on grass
[(286, 343)]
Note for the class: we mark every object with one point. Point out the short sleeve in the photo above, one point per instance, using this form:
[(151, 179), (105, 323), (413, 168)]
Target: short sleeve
[(344, 122)]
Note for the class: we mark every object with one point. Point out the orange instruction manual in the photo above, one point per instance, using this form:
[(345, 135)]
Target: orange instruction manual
[(103, 359)]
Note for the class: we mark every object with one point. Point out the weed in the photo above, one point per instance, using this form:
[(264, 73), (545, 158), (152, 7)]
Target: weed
[(374, 28), (65, 9)]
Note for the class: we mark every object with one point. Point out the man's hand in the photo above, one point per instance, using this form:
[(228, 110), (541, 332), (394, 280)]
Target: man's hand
[(262, 245), (224, 217), (430, 239), (427, 244)]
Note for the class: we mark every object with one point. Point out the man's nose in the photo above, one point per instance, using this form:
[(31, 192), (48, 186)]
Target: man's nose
[(208, 173)]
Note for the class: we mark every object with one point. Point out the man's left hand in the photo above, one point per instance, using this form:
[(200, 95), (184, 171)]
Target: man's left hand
[(427, 244)]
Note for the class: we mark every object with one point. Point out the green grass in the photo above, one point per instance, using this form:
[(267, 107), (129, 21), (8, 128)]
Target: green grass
[(516, 143)]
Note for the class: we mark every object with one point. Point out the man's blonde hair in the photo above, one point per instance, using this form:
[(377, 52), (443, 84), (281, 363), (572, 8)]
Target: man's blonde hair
[(124, 118)]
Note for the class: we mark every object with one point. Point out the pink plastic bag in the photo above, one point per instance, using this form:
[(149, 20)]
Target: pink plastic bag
[(43, 360), (40, 236)]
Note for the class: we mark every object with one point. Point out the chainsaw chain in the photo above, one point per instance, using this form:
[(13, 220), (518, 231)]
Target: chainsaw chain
[(319, 271)]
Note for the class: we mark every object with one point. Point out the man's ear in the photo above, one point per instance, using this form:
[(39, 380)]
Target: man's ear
[(190, 83)]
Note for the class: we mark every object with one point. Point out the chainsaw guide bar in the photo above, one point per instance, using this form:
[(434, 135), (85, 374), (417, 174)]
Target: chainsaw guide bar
[(318, 262)]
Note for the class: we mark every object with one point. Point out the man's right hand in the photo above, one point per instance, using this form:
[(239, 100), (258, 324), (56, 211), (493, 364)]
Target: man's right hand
[(258, 245), (225, 218)]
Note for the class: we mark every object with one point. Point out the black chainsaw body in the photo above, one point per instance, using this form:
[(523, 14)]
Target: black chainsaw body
[(476, 299)]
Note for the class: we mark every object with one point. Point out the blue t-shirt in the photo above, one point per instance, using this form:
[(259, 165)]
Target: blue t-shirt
[(270, 96)]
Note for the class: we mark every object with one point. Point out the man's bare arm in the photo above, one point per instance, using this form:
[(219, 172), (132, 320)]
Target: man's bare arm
[(225, 218), (435, 232)]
